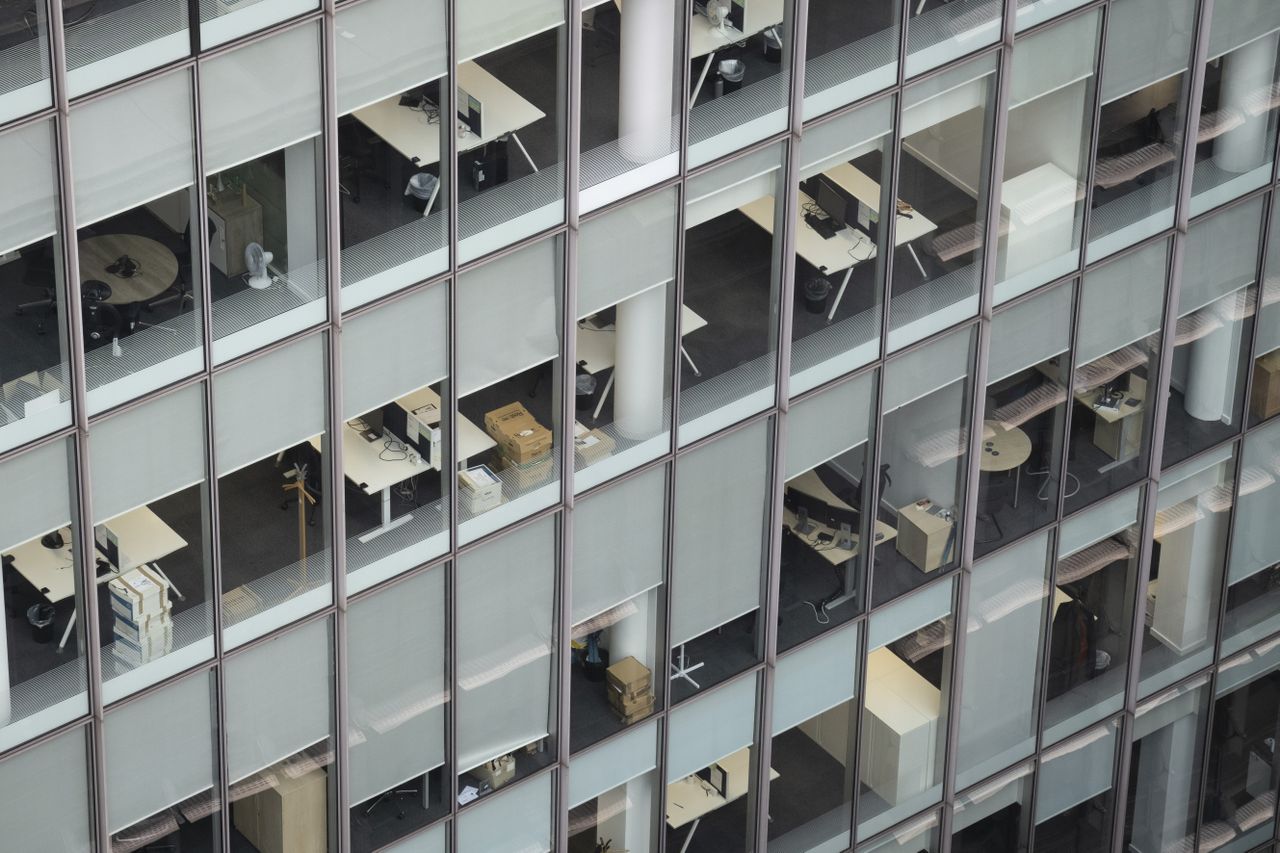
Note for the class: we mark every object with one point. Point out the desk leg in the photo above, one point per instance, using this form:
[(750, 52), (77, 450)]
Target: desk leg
[(835, 306), (1017, 485), (388, 523), (920, 7), (66, 635), (684, 352), (916, 258), (706, 66), (523, 151), (608, 386), (689, 837)]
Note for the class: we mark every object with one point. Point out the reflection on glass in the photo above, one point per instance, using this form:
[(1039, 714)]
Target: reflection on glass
[(1264, 398), (939, 31), (24, 54), (1253, 594), (222, 21), (111, 42), (848, 56), (917, 835), (993, 817), (613, 794), (1074, 798), (514, 822)]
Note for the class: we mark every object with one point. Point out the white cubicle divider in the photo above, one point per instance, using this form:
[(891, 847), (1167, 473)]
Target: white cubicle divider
[(708, 728), (511, 821)]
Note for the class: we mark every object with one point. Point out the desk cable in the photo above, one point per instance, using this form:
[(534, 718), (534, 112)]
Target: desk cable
[(393, 450)]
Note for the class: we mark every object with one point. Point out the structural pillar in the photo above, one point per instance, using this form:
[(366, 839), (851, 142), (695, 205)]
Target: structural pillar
[(1209, 367), (644, 79), (1245, 71), (639, 361)]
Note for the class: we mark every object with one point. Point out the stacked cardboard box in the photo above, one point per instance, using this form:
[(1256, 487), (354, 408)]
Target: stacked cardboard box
[(520, 438), (630, 686), (143, 629)]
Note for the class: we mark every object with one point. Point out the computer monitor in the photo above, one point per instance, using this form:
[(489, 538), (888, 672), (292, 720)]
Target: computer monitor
[(833, 201), (396, 419), (807, 508), (108, 544), (868, 221), (470, 111)]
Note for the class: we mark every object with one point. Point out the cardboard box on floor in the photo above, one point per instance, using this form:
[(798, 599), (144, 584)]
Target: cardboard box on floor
[(520, 438)]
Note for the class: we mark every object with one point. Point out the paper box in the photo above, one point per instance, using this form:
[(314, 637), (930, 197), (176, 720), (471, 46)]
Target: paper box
[(530, 474), (138, 593), (479, 489), (592, 446), (924, 535), (136, 632), (638, 713), (520, 438), (497, 772), (1265, 399), (629, 677)]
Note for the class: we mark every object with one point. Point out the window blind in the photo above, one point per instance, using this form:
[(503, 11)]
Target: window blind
[(616, 762), (1029, 333), (618, 544), (827, 424), (260, 98), (278, 698), (393, 350), (37, 494), (148, 452), (396, 684), (1054, 58), (166, 739), (30, 211), (815, 678), (1075, 771), (1256, 536), (507, 312), (627, 251), (923, 371), (514, 821), (732, 185), (43, 810), (387, 46), (1237, 22), (842, 139), (1103, 519), (132, 147), (484, 27), (908, 614), (1147, 41), (269, 404), (719, 550), (1221, 256), (1122, 302), (708, 728), (505, 594), (434, 840), (948, 94)]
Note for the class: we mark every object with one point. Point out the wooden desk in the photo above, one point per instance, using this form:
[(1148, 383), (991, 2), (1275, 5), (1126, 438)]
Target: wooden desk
[(689, 800), (157, 266), (900, 728), (810, 484)]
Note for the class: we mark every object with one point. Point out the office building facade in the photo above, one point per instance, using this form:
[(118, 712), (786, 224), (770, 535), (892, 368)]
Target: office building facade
[(335, 515)]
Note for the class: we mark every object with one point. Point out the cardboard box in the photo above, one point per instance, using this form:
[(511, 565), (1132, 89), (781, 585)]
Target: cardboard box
[(479, 489), (520, 438), (629, 703), (637, 714), (530, 474), (592, 446), (135, 632), (1265, 400), (923, 535), (629, 677), (497, 772), (138, 593)]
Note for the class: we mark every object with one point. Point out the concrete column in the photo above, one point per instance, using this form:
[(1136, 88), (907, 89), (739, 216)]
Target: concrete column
[(301, 180), (644, 79), (1245, 71), (1166, 768), (1209, 366), (639, 361), (632, 636)]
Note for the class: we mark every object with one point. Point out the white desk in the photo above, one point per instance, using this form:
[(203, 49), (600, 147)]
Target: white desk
[(472, 441), (689, 800), (406, 130), (705, 38), (376, 466), (810, 484)]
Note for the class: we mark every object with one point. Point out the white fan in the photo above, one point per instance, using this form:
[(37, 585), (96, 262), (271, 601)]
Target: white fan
[(718, 12), (256, 259)]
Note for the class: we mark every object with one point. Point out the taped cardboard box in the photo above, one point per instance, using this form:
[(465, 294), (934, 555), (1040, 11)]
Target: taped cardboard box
[(629, 677), (519, 436), (592, 446), (138, 593)]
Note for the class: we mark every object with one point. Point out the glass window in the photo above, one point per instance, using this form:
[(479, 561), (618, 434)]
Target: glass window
[(24, 54), (939, 31), (613, 794), (166, 737), (1032, 12), (1116, 358), (1236, 131), (222, 21), (814, 735), (944, 171), (904, 720), (44, 796), (1046, 155), (1211, 341), (718, 576), (840, 270), (506, 657), (395, 666), (848, 56), (392, 77), (106, 43), (626, 275), (823, 523), (279, 719), (1145, 87), (1074, 798), (518, 821), (994, 817), (917, 835), (1094, 578), (1165, 769), (1264, 398), (151, 506), (510, 81), (273, 479), (35, 385), (1240, 794), (712, 768), (619, 538), (739, 79), (394, 441), (630, 107), (924, 450), (1253, 594), (264, 167), (42, 684), (508, 344), (1025, 418), (1007, 606), (729, 320)]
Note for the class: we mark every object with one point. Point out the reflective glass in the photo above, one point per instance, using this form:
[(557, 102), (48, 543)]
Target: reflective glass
[(1264, 398), (24, 54), (43, 810), (613, 794), (1253, 575), (849, 54), (939, 31), (115, 41), (1074, 798), (993, 817)]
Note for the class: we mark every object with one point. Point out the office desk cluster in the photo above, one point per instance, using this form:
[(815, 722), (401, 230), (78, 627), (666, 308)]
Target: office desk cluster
[(810, 484), (691, 799)]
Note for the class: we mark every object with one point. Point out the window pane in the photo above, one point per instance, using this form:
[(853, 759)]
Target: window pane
[(43, 810), (110, 43), (24, 50), (1264, 400), (848, 56), (519, 821), (917, 835), (613, 793), (1074, 799), (1253, 597), (221, 22), (994, 817), (939, 31)]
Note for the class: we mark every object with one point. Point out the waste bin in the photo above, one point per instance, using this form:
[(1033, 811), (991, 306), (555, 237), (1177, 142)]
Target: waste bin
[(816, 291), (421, 190), (729, 74), (584, 391), (41, 618), (772, 39)]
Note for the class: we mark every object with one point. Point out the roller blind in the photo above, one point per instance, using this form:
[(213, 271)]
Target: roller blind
[(434, 840), (30, 209), (44, 797), (732, 185), (269, 404), (260, 98), (1237, 22), (1247, 666), (1075, 771), (923, 371), (1256, 539), (166, 739), (618, 544), (505, 592), (387, 46), (278, 698), (514, 821), (616, 762), (1054, 58), (507, 314), (1029, 333), (396, 684), (706, 729), (1147, 41), (483, 27), (393, 350), (827, 424), (815, 678), (1221, 255), (37, 494), (147, 453), (132, 147), (719, 550), (1122, 302), (842, 139), (948, 94), (908, 614), (626, 251), (1101, 520)]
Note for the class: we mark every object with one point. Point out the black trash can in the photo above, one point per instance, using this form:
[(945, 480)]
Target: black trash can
[(772, 38), (41, 618), (584, 392), (816, 291), (729, 74), (421, 191)]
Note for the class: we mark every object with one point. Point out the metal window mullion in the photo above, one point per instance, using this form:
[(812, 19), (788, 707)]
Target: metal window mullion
[(449, 417), (1253, 326), (1187, 161), (1095, 132)]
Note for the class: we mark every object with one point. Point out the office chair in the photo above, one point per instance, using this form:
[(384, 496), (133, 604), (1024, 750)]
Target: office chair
[(181, 290), (101, 320), (39, 272)]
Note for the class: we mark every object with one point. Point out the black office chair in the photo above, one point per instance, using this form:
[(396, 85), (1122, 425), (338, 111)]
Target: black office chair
[(39, 271)]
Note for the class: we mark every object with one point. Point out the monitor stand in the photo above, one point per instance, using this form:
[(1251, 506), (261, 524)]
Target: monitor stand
[(803, 525), (681, 668), (844, 540)]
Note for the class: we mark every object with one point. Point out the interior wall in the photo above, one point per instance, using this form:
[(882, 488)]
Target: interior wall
[(1048, 129)]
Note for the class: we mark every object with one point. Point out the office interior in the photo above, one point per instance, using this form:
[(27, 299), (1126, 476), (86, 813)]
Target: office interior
[(1242, 763)]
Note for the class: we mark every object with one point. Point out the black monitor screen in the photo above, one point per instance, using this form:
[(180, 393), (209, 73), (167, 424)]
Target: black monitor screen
[(832, 201)]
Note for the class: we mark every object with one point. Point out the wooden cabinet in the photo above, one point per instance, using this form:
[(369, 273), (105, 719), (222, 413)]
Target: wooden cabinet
[(291, 817), (236, 220)]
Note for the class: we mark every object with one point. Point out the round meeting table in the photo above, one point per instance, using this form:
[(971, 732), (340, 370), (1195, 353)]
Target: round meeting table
[(153, 270)]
